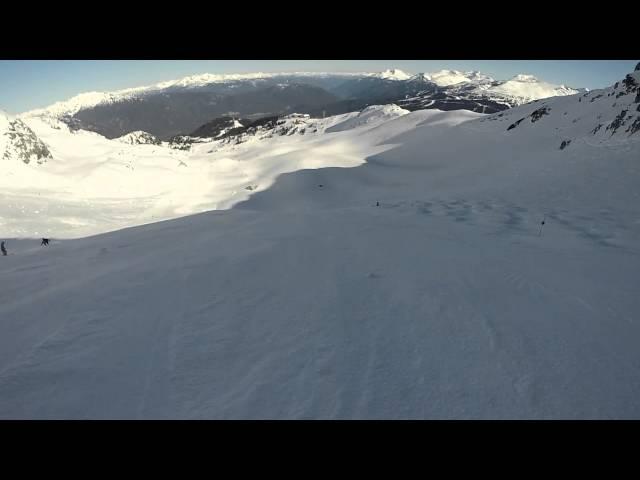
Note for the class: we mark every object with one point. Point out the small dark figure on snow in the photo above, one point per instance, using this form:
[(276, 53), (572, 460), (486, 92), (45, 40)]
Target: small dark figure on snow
[(4, 250), (377, 204), (45, 241), (541, 225)]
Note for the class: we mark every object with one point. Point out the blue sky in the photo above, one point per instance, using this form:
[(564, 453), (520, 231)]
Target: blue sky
[(28, 84)]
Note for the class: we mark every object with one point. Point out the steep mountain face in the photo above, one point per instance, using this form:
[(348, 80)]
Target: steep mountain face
[(379, 89), (179, 107), (439, 99), (169, 113), (19, 142)]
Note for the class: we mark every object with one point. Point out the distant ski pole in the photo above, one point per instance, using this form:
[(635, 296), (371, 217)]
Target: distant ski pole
[(542, 225)]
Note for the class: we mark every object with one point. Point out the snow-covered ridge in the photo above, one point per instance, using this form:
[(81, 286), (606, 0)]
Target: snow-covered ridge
[(393, 74), (521, 86), (91, 99), (19, 142), (528, 87), (609, 116), (371, 114), (445, 78), (303, 124)]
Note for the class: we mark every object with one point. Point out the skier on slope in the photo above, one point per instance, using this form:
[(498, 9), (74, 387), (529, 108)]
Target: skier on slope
[(45, 241), (4, 250)]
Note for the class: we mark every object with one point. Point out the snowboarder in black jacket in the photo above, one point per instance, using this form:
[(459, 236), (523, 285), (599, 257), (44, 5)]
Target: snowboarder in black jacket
[(45, 241), (4, 250)]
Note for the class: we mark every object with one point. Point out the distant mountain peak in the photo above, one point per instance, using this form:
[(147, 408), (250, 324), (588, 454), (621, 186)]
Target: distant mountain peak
[(421, 77), (445, 78), (521, 77), (394, 74)]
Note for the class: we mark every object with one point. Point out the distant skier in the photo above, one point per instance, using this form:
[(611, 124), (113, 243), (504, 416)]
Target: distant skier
[(45, 241), (377, 204), (4, 250)]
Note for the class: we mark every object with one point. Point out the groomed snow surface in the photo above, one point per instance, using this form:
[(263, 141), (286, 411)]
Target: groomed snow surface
[(306, 300)]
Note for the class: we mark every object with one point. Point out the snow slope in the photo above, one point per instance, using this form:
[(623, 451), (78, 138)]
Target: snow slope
[(306, 300), (609, 116), (94, 185), (372, 114)]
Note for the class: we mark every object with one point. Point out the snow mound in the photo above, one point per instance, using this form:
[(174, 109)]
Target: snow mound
[(373, 114), (139, 138)]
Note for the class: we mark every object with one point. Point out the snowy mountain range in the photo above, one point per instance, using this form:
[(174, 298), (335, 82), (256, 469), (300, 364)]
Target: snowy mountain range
[(598, 112), (606, 116), (178, 107)]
